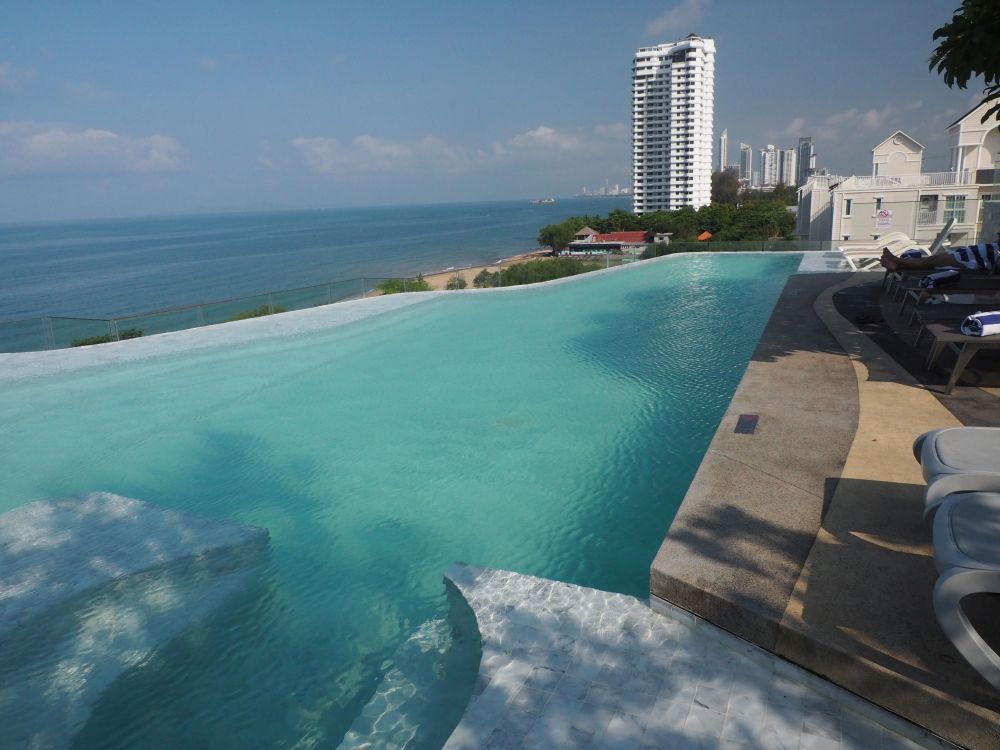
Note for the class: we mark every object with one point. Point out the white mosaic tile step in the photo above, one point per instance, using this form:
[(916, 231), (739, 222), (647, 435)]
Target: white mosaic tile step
[(570, 667)]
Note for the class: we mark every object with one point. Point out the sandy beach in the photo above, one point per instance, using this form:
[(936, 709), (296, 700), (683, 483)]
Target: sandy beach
[(439, 279)]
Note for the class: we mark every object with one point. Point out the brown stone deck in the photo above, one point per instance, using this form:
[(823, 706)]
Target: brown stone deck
[(807, 537)]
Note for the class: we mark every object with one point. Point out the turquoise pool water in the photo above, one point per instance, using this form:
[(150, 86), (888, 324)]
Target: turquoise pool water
[(552, 431)]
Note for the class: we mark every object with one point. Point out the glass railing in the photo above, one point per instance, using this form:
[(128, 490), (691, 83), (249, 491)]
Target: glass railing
[(52, 332)]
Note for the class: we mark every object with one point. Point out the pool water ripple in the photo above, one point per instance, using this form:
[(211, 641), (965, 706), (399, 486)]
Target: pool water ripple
[(551, 431)]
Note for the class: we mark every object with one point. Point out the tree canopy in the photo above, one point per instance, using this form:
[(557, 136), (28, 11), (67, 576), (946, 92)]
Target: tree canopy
[(969, 48), (725, 187), (760, 217)]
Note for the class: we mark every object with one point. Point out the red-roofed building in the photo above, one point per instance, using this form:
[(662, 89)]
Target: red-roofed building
[(594, 242)]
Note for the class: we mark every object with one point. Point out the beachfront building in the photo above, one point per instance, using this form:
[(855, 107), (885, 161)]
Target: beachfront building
[(724, 150), (673, 96), (899, 197), (588, 241)]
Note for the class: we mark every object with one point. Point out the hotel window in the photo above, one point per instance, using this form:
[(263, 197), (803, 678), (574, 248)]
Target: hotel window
[(878, 205), (847, 206), (954, 208), (987, 198), (927, 211)]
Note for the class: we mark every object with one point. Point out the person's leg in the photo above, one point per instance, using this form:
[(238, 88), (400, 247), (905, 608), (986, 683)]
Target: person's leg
[(894, 263)]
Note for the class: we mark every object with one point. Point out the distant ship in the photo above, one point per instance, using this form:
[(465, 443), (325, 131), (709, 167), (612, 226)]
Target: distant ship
[(543, 200)]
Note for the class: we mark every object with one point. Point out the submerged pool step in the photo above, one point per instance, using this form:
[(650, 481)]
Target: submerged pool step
[(419, 689)]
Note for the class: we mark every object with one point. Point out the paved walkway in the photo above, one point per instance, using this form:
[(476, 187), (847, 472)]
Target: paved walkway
[(808, 538), (570, 667)]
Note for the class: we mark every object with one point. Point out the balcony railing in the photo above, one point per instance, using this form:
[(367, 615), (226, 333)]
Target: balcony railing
[(927, 179)]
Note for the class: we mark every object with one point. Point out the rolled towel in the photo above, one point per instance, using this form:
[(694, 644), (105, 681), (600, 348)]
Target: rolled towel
[(939, 279), (982, 324)]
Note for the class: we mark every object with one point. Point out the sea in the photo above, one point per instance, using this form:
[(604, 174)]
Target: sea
[(107, 268)]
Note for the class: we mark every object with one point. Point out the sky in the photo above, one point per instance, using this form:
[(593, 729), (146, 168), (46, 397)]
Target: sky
[(125, 109)]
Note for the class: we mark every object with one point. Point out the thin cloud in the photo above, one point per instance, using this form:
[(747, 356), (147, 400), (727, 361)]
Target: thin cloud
[(13, 78), (29, 148), (680, 19), (366, 153), (545, 137), (87, 92)]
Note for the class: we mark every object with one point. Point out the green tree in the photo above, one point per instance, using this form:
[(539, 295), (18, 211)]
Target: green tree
[(456, 282), (395, 286), (969, 48), (558, 236), (485, 279), (725, 187), (716, 216)]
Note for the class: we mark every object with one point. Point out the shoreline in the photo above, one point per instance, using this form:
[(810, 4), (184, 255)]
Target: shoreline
[(439, 279)]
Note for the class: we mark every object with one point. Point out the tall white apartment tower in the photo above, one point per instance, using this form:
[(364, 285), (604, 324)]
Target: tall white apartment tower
[(769, 165), (673, 101), (746, 163), (724, 150), (787, 172)]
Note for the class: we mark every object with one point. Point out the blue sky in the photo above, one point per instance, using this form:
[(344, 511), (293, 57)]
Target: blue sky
[(125, 108)]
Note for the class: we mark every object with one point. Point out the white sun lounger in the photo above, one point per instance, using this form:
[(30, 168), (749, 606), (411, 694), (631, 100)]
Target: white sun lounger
[(958, 459), (967, 555)]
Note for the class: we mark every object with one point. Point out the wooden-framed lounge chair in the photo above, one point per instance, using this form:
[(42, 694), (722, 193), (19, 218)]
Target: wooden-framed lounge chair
[(936, 246), (967, 556), (864, 256)]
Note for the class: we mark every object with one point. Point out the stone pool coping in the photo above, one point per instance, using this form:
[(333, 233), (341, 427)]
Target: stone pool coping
[(565, 666), (807, 538), (19, 365)]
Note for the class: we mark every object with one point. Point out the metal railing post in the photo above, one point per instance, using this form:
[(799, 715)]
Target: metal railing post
[(270, 304), (113, 325), (364, 287), (50, 339)]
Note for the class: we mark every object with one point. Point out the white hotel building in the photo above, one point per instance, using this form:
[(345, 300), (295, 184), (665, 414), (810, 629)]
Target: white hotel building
[(899, 196), (673, 100)]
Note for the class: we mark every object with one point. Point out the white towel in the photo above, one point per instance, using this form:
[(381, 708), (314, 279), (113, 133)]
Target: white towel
[(939, 279), (982, 324)]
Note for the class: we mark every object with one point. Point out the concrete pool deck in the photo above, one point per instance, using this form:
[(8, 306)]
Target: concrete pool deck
[(807, 537)]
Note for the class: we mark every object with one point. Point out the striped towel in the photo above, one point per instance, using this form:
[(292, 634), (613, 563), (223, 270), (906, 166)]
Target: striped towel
[(985, 256), (982, 324), (939, 279)]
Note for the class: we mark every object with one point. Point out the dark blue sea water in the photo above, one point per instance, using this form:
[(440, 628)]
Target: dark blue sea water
[(117, 267)]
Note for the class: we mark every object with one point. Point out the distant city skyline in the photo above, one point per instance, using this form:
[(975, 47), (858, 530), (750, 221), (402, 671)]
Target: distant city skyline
[(126, 110)]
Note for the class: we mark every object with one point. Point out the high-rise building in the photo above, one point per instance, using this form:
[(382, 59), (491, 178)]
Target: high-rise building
[(769, 166), (724, 150), (787, 173), (673, 100), (746, 163), (807, 161)]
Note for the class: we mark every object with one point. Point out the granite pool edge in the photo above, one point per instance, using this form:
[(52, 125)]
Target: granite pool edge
[(16, 366)]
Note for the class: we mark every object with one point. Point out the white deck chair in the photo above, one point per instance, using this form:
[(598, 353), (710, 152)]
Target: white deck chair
[(958, 459), (967, 555)]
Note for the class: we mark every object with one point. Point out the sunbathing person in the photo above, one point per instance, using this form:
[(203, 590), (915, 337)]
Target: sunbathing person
[(973, 258)]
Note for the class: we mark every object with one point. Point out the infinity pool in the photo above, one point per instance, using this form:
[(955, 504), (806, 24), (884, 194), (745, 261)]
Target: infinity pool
[(552, 431)]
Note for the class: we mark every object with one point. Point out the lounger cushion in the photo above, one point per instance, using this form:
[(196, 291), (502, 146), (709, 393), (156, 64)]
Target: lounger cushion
[(958, 449), (967, 531)]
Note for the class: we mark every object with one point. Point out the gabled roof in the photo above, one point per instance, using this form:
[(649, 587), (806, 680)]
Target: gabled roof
[(910, 138), (622, 237), (969, 113)]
